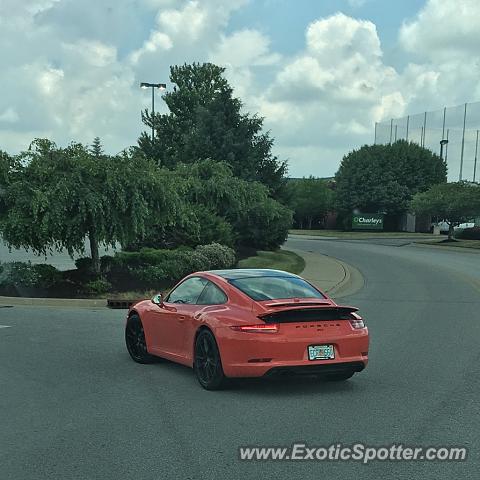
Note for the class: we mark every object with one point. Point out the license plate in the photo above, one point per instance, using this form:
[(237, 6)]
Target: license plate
[(321, 352)]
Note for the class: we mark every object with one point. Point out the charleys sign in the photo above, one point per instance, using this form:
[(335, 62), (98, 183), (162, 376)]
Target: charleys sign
[(367, 221)]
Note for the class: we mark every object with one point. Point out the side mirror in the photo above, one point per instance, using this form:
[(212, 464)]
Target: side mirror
[(158, 299)]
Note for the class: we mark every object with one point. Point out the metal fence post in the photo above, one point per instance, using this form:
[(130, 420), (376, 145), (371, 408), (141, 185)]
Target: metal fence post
[(391, 127), (408, 121), (375, 140), (475, 162), (446, 147), (443, 126), (424, 129), (463, 143)]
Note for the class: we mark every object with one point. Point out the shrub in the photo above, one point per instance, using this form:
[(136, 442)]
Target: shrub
[(27, 275), (84, 264), (472, 233), (219, 256), (98, 286), (264, 225), (146, 256), (152, 268), (106, 263)]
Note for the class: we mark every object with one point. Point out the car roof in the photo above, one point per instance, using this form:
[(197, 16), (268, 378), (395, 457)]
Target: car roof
[(237, 273)]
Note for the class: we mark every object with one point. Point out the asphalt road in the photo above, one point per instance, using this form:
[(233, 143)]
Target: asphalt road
[(74, 406)]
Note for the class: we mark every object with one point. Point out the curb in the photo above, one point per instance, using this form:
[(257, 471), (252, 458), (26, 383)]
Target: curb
[(447, 247), (331, 275), (351, 283), (54, 302)]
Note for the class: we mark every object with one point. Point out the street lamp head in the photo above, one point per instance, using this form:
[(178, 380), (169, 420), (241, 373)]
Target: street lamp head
[(160, 86), (443, 141)]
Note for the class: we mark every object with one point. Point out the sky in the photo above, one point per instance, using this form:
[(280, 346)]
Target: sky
[(321, 72)]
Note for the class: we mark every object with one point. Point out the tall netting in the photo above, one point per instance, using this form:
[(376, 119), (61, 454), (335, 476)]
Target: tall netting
[(459, 125)]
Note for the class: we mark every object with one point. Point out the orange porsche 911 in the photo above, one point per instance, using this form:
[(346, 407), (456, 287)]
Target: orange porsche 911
[(248, 323)]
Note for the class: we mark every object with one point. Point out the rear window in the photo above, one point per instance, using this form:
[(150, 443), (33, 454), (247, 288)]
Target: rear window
[(272, 288)]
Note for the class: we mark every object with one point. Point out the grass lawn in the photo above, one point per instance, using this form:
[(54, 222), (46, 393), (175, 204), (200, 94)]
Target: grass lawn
[(457, 243), (279, 260), (357, 234)]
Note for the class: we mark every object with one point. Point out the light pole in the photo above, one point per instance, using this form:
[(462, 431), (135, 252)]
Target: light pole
[(442, 143), (153, 86)]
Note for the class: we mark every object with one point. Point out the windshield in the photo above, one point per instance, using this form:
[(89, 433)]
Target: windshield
[(272, 288)]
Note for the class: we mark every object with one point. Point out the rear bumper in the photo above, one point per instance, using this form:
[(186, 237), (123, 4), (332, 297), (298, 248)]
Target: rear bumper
[(306, 367), (317, 369), (254, 355)]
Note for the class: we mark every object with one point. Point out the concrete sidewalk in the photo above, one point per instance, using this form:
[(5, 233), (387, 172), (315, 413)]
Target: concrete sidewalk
[(336, 278)]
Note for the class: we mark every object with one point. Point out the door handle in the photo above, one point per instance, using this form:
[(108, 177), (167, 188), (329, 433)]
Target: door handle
[(181, 318)]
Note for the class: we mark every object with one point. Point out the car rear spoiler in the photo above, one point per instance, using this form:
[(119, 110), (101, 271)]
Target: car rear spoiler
[(312, 314)]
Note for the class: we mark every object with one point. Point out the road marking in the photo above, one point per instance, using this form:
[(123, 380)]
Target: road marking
[(5, 326)]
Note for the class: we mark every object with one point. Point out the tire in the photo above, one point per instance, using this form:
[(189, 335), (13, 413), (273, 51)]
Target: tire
[(208, 364), (135, 341), (339, 377)]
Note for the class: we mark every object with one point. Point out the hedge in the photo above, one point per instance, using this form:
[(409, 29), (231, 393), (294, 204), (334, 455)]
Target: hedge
[(472, 233), (148, 268)]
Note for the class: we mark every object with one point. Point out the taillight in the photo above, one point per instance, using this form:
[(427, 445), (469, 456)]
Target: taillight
[(262, 328), (356, 322)]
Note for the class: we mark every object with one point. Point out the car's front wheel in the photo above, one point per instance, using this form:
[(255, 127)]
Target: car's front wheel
[(208, 364), (135, 340)]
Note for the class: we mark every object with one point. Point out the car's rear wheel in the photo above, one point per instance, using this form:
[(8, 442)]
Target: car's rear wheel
[(135, 340), (208, 364), (339, 377)]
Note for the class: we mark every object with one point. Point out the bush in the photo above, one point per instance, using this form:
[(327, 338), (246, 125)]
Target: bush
[(198, 227), (84, 264), (265, 225), (15, 274), (219, 256), (150, 268), (98, 287), (472, 233)]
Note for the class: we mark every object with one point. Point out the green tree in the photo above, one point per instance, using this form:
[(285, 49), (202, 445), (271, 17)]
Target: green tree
[(219, 207), (206, 121), (453, 203), (384, 178), (96, 148), (63, 195), (6, 172), (310, 199)]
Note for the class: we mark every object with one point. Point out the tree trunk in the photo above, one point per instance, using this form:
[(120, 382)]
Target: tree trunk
[(451, 231), (310, 219), (94, 252)]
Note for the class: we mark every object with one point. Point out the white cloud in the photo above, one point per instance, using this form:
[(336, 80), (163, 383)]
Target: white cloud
[(443, 28), (327, 98), (244, 48), (443, 40), (94, 53), (9, 115), (81, 71)]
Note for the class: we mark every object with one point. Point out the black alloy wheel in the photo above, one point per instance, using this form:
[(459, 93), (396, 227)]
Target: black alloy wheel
[(135, 341), (208, 364)]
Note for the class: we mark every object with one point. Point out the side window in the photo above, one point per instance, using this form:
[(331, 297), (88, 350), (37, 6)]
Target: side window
[(188, 291), (211, 295)]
